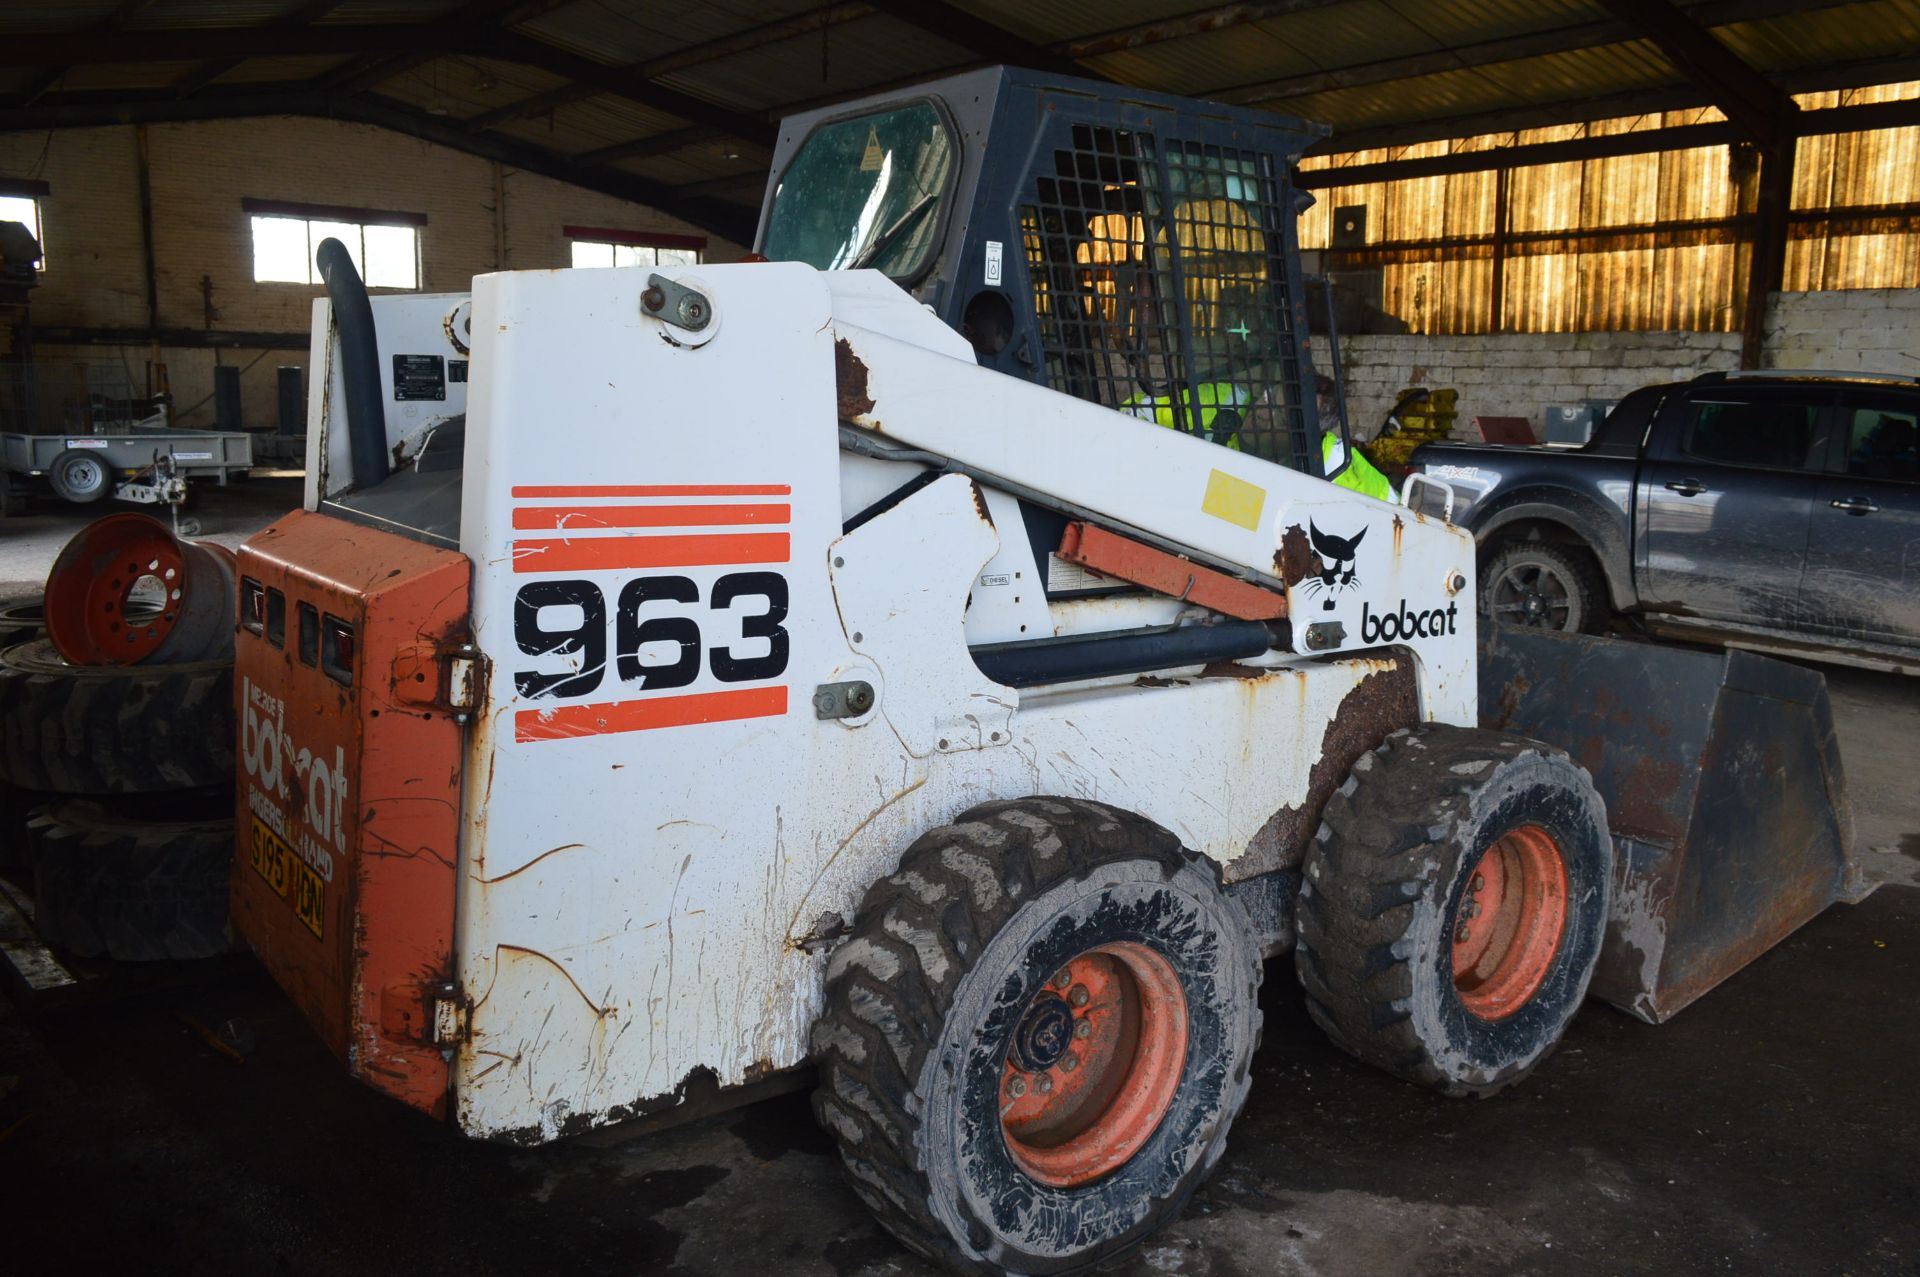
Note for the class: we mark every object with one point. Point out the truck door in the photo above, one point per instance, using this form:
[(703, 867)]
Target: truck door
[(1863, 553), (1726, 493)]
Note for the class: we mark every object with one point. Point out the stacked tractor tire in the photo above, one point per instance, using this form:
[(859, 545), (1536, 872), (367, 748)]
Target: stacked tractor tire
[(116, 744)]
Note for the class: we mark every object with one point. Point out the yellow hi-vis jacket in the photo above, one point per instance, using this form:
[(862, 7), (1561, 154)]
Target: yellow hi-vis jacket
[(1360, 475), (1211, 396), (1204, 403)]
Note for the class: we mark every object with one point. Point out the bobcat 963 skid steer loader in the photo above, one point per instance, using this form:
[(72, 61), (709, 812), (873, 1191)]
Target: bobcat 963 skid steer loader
[(937, 655)]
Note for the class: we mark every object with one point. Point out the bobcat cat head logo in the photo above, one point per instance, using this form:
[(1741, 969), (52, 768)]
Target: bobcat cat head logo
[(1336, 563)]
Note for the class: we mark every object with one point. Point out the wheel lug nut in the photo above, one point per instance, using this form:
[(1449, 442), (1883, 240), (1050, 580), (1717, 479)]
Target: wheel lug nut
[(1479, 881), (1083, 1030), (1068, 1063), (1045, 1084), (1017, 1087), (1460, 936), (1062, 978), (1079, 996)]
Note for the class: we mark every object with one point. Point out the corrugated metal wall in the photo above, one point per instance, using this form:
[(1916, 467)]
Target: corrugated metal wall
[(1634, 242)]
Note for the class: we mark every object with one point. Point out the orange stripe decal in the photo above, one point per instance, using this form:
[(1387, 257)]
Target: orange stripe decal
[(564, 722), (701, 550), (565, 518), (658, 490)]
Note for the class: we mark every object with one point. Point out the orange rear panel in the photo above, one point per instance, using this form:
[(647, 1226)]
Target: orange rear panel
[(349, 793)]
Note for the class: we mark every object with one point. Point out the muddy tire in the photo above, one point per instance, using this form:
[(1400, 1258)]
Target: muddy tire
[(99, 729), (1453, 906), (108, 886), (948, 1004), (21, 619), (1544, 586)]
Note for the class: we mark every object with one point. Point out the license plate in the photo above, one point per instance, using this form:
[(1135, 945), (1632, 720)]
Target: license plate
[(291, 878)]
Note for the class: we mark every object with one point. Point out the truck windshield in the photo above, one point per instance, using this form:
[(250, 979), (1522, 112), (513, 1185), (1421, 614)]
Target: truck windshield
[(865, 192)]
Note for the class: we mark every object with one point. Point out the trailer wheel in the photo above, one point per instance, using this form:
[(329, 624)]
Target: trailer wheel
[(79, 476), (1544, 586), (106, 885), (1037, 1036), (1453, 906), (113, 729)]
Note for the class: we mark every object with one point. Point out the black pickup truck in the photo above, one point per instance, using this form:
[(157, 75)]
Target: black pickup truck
[(1777, 511)]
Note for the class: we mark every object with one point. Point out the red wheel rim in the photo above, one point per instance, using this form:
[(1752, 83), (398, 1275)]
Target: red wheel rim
[(1509, 923), (1078, 1105), (115, 591)]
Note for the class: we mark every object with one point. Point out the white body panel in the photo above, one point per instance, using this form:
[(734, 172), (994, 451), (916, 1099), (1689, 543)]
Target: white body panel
[(419, 325), (655, 858)]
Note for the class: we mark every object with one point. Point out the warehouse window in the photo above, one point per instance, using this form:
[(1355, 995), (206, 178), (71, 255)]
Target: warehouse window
[(385, 247), (598, 246), (25, 209)]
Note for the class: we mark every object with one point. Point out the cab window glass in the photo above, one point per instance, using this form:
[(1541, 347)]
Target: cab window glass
[(865, 192), (1884, 443), (1779, 434)]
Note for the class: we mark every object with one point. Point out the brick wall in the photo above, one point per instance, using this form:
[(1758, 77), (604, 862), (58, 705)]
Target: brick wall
[(480, 217), (1522, 374)]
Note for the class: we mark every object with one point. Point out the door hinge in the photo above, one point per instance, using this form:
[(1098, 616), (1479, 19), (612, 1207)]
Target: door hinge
[(452, 1018)]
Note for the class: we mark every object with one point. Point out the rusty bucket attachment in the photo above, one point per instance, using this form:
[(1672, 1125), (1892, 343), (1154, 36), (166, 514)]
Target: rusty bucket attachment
[(126, 591), (1723, 787)]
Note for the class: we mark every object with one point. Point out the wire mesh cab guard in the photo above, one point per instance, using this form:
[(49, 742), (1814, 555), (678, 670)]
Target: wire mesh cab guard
[(1133, 249)]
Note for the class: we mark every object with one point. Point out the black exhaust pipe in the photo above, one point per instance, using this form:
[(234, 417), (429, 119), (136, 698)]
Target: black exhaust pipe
[(359, 363)]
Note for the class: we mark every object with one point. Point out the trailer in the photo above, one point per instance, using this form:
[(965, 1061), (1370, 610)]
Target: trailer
[(83, 468)]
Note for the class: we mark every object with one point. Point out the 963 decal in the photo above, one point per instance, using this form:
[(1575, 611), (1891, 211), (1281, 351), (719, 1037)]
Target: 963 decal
[(632, 633), (654, 632)]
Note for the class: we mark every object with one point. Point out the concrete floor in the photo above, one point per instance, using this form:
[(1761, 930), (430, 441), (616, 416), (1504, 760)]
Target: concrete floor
[(1769, 1128), (229, 515)]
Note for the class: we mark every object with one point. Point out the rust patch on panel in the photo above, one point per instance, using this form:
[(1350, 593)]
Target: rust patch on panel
[(1379, 704), (1294, 559), (850, 382)]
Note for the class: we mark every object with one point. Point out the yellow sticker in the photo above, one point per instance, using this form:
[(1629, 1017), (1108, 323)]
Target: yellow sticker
[(873, 156), (1235, 500), (275, 861)]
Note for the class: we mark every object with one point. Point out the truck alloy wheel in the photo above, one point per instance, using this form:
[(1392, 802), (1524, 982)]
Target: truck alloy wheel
[(1543, 586), (1037, 1036), (1453, 906)]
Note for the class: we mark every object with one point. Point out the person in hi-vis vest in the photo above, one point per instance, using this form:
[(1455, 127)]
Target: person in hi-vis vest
[(1360, 475), (1216, 412)]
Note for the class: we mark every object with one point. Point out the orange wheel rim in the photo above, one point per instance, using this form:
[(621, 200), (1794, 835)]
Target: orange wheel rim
[(1095, 1063), (1509, 924), (115, 591)]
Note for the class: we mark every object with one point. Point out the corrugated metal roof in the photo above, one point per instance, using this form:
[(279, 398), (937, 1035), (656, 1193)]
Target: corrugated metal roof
[(814, 61), (96, 79), (55, 15), (1826, 36), (801, 70), (276, 70), (463, 87), (589, 125), (622, 31)]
